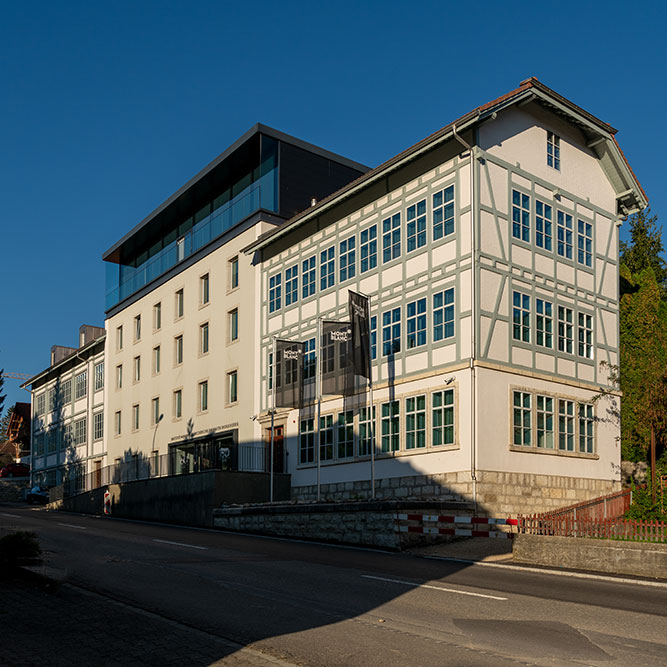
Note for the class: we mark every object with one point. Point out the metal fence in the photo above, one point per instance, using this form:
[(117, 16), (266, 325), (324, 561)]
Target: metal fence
[(605, 507)]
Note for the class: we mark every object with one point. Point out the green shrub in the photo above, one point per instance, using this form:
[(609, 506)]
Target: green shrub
[(19, 548), (642, 506)]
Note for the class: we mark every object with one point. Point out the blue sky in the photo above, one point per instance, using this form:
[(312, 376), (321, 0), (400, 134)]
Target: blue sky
[(108, 108)]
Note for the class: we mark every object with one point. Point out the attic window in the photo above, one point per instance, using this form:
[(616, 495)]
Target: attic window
[(553, 150)]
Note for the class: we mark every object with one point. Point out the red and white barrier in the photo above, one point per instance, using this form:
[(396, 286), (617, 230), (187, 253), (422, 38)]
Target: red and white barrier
[(432, 524)]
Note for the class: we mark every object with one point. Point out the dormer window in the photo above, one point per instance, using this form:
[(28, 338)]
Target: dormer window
[(553, 150)]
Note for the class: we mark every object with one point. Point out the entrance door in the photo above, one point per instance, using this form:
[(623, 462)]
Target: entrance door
[(278, 450)]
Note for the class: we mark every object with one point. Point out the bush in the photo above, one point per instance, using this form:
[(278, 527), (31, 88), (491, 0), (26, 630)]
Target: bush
[(19, 548), (643, 507)]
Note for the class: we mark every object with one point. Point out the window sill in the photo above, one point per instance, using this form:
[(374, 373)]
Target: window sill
[(553, 452)]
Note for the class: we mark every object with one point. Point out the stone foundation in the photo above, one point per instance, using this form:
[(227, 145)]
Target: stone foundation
[(499, 494)]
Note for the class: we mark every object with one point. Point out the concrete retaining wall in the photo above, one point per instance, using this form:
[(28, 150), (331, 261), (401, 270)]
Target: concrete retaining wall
[(644, 559), (361, 523), (13, 490)]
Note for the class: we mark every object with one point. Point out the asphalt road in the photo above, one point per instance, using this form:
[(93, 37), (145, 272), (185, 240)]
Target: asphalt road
[(312, 604)]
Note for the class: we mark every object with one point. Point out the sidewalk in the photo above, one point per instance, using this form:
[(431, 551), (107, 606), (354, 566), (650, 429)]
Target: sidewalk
[(497, 550)]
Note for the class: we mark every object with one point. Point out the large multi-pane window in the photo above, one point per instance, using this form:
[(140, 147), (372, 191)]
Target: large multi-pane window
[(584, 243), (366, 430), (442, 417), (309, 360), (391, 331), (81, 385), (391, 237), (347, 258), (415, 422), (415, 217), (564, 230), (66, 391), (544, 408), (40, 407), (369, 248), (66, 439), (291, 285), (566, 425), (345, 434), (390, 426), (52, 399), (543, 222), (416, 323), (586, 420), (99, 376), (327, 267), (374, 337), (52, 440), (553, 150), (307, 441), (308, 277), (443, 314), (98, 425), (275, 292), (522, 419), (544, 323), (79, 432), (443, 213), (520, 216), (326, 438), (565, 329), (521, 317), (585, 336)]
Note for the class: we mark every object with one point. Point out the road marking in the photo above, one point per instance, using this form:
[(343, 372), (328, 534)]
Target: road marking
[(14, 516), (71, 525), (180, 544), (435, 588)]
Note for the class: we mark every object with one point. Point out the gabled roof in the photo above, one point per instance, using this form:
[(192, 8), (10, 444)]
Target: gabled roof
[(630, 195)]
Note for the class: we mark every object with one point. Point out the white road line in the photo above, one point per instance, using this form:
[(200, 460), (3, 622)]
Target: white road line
[(71, 525), (14, 516), (180, 544), (435, 588)]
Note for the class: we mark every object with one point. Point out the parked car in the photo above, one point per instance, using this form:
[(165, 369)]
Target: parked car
[(38, 495), (15, 470)]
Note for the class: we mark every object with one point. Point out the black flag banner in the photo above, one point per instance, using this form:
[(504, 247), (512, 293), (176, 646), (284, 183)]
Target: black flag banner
[(360, 324), (335, 363), (288, 373)]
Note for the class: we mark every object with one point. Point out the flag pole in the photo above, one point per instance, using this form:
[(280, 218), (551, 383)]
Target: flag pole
[(318, 362), (273, 413), (371, 414)]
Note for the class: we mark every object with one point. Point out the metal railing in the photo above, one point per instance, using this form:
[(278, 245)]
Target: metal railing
[(605, 507)]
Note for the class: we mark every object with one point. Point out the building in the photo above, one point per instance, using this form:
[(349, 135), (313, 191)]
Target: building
[(489, 251), (67, 401), (183, 352)]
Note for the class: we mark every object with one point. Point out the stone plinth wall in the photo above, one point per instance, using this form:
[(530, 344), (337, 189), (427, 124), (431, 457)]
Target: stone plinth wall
[(644, 559), (370, 524), (499, 494), (13, 490)]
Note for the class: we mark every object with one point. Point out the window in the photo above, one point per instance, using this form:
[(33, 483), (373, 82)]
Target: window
[(52, 399), (553, 150), (178, 350), (347, 258), (275, 292), (521, 317), (366, 431), (66, 391), (415, 422), (155, 411), (292, 285), (585, 243), (327, 267), (390, 424), (157, 316), (374, 336), (520, 216), (564, 229), (369, 249), (586, 420), (416, 323), (137, 369), (308, 275), (391, 237), (79, 432), (117, 424), (566, 425), (544, 323), (135, 417), (99, 376), (585, 336), (52, 440), (545, 421), (203, 339), (119, 338), (326, 438), (41, 405), (416, 225), (309, 361), (98, 425), (345, 434), (391, 332), (442, 415), (565, 330), (204, 289), (156, 360), (522, 419), (233, 324), (306, 441), (137, 328), (543, 231), (179, 303), (119, 376), (232, 387), (203, 396), (443, 213), (443, 314), (233, 273), (81, 385), (178, 404)]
